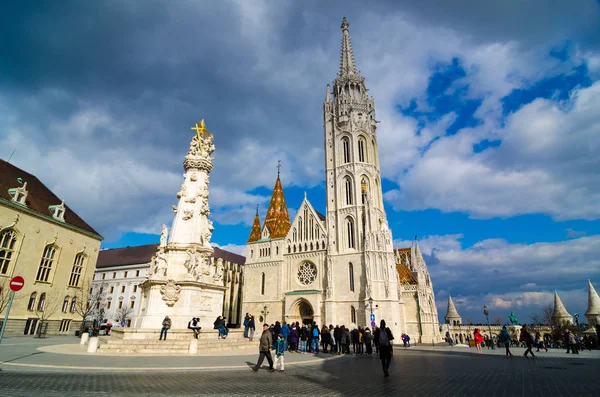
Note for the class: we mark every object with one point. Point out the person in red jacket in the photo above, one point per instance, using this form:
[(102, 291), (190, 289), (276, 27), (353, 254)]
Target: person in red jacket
[(478, 340)]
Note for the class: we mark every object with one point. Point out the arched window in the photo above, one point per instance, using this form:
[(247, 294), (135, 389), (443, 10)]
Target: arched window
[(351, 276), (46, 263), (362, 150), (350, 232), (374, 152), (262, 284), (352, 314), (65, 305), (42, 302), (348, 190), (32, 298), (300, 229), (364, 188), (346, 149), (8, 239), (77, 270), (73, 305)]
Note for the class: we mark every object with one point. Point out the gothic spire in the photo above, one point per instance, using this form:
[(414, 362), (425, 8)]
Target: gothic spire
[(560, 314), (593, 312), (452, 313), (347, 63), (277, 219), (255, 233)]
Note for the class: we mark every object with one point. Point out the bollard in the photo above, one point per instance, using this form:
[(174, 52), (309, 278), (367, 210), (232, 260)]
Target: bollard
[(193, 346), (84, 338), (92, 345)]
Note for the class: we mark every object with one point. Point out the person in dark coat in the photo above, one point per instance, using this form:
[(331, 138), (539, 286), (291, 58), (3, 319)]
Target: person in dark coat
[(528, 339), (384, 335), (251, 327), (294, 336), (246, 320), (264, 349), (275, 333), (337, 336)]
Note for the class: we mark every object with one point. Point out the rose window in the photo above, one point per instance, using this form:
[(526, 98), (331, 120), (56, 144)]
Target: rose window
[(307, 273)]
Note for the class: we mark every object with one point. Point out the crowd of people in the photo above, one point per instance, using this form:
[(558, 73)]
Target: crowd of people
[(296, 338)]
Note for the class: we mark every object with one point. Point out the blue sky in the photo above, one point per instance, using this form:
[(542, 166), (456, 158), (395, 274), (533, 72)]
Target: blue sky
[(489, 133)]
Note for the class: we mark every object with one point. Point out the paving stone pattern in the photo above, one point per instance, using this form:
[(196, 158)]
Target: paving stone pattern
[(412, 373)]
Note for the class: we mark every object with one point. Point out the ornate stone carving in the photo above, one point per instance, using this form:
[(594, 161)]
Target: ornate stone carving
[(170, 292), (218, 276), (192, 263), (329, 290), (193, 177), (182, 191), (163, 236), (205, 303), (187, 214)]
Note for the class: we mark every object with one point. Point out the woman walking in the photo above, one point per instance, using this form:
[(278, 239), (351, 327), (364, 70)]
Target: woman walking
[(478, 340), (385, 338), (505, 338)]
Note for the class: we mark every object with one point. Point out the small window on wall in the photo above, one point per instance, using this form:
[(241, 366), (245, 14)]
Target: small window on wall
[(108, 304), (131, 304), (262, 285), (31, 304), (124, 274), (120, 304), (122, 289), (65, 305), (135, 288), (73, 305), (353, 314), (351, 276)]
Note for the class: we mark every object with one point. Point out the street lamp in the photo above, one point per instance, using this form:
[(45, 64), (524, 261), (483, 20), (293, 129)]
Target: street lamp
[(264, 313), (576, 315), (371, 304), (487, 317)]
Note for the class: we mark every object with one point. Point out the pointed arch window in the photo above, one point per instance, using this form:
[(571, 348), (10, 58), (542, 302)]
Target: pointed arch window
[(77, 269), (351, 276), (46, 263), (350, 232), (262, 284), (346, 149), (32, 298), (352, 314), (348, 190), (374, 152), (8, 239), (65, 305), (73, 305), (364, 188), (362, 150)]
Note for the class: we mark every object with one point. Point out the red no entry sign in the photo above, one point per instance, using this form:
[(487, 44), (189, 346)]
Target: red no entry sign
[(16, 283)]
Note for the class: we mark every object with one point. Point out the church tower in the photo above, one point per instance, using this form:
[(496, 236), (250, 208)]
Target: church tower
[(360, 254)]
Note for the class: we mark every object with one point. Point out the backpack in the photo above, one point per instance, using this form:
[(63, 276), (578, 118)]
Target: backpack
[(315, 331), (383, 338)]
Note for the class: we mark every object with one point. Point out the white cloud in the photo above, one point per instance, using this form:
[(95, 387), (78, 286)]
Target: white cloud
[(506, 275), (546, 163), (236, 249)]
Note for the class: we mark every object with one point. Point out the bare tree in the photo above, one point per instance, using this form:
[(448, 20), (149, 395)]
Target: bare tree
[(88, 302), (544, 316), (4, 295), (498, 320), (48, 304), (123, 314)]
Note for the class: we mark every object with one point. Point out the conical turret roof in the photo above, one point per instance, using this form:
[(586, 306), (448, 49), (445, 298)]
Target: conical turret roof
[(278, 218), (255, 233), (593, 302), (560, 314), (452, 313)]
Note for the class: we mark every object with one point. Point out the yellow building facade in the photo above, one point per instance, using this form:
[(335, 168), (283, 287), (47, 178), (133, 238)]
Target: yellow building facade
[(51, 247)]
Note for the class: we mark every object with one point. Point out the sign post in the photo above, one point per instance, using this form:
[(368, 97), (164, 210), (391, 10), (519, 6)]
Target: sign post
[(16, 283)]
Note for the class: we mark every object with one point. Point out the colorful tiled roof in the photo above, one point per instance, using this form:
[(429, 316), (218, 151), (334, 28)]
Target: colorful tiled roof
[(405, 275), (403, 256), (255, 233), (277, 219)]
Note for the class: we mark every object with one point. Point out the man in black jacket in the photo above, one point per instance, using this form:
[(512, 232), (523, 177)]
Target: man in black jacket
[(264, 349), (384, 335)]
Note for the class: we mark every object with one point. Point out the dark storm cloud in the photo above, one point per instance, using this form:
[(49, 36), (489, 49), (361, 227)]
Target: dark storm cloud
[(113, 87)]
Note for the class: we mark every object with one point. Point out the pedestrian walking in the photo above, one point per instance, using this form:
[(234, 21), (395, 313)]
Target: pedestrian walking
[(166, 324), (478, 340), (528, 339), (264, 349), (368, 338), (280, 352), (505, 338), (385, 338)]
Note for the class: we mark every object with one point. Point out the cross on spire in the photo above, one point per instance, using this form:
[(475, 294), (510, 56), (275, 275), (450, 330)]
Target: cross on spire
[(278, 167)]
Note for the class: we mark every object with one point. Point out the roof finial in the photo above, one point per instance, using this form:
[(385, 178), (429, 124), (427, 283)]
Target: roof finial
[(278, 167), (256, 209), (416, 238)]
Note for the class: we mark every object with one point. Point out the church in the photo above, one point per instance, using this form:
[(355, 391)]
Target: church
[(340, 267)]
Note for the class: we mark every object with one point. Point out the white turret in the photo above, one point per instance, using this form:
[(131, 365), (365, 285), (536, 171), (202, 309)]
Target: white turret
[(593, 312), (560, 316)]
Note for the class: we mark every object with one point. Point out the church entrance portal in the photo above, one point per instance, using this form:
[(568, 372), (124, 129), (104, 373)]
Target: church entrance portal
[(303, 312)]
